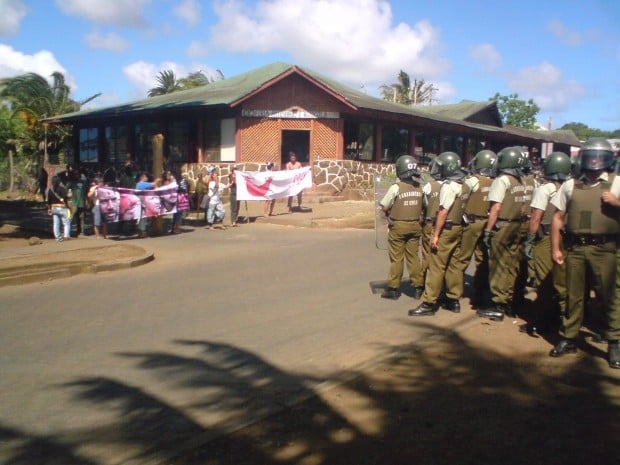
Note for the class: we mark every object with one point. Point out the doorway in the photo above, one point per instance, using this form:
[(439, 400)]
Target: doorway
[(298, 142)]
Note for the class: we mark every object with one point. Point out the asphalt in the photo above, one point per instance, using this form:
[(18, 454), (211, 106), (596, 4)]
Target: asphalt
[(28, 252)]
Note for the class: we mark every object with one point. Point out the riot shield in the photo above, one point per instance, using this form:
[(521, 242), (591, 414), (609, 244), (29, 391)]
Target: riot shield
[(381, 184)]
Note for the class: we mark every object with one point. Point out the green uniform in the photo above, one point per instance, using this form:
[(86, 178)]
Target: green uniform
[(506, 244), (592, 231), (476, 212), (431, 202), (447, 246), (550, 276), (405, 210)]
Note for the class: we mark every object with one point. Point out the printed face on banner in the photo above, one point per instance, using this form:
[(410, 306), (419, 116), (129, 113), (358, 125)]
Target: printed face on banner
[(109, 202), (151, 203), (168, 200), (130, 206)]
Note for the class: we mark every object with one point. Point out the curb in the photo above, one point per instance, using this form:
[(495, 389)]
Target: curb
[(67, 270)]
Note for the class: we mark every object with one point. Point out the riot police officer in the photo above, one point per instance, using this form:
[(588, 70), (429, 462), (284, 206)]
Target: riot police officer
[(550, 278), (589, 209), (430, 188), (403, 204), (446, 238), (502, 233), (476, 215)]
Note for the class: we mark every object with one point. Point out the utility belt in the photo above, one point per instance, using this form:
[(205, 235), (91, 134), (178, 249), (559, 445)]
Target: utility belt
[(590, 239), (471, 218), (448, 225), (416, 220), (501, 222)]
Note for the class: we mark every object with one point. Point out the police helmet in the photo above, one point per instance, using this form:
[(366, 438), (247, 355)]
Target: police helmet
[(483, 162), (596, 154), (557, 167), (510, 161), (406, 166), (447, 164)]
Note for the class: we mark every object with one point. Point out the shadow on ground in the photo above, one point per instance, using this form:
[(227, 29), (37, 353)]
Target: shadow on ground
[(447, 403)]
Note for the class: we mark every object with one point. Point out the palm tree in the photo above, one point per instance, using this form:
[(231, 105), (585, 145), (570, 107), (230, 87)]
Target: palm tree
[(32, 98), (167, 83), (406, 93)]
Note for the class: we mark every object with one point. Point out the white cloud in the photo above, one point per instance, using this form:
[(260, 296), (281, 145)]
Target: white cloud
[(487, 56), (14, 63), (188, 11), (143, 75), (11, 14), (353, 40), (127, 13), (112, 42), (197, 49), (546, 86), (564, 34)]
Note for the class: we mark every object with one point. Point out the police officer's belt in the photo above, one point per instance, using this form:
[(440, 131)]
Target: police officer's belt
[(416, 220), (591, 239), (521, 219), (471, 218)]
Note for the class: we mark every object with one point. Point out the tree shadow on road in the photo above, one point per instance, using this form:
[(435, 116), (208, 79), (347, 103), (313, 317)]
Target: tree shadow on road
[(447, 403)]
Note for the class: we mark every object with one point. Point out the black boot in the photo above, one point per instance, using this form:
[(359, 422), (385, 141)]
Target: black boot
[(565, 346), (391, 293), (495, 312), (452, 304), (417, 292), (613, 354), (424, 309)]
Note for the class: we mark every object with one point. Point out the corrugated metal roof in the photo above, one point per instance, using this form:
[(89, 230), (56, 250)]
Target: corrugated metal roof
[(232, 91), (463, 110)]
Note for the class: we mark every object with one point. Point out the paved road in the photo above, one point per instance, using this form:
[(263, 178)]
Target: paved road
[(222, 328)]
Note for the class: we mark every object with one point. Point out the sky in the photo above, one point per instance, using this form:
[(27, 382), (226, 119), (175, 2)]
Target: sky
[(565, 55)]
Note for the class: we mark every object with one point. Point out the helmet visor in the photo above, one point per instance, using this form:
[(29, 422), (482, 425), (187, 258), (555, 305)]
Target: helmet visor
[(595, 160)]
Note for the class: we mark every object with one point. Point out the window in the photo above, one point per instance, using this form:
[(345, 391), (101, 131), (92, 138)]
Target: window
[(144, 144), (178, 141), (427, 146), (116, 144), (212, 140), (88, 146), (394, 143), (358, 141)]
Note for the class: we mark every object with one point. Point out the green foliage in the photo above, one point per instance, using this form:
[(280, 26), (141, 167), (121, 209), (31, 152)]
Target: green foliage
[(168, 82), (406, 92), (583, 132), (516, 112), (31, 98)]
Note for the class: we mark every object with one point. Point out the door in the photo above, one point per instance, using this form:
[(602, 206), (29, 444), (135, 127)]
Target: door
[(298, 142)]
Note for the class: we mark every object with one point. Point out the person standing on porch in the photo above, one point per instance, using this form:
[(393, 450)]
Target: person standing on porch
[(293, 164)]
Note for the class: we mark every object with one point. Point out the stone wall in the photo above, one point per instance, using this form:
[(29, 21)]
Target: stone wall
[(330, 177)]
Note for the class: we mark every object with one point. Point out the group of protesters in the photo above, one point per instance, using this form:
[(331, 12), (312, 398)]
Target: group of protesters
[(564, 224)]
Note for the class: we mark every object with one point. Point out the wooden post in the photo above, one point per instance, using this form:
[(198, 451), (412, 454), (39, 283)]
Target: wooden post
[(157, 223)]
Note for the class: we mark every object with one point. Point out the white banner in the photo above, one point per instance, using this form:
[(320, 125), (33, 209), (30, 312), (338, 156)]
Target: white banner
[(267, 185)]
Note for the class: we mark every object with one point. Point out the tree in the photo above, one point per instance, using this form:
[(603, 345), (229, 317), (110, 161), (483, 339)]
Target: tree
[(583, 132), (406, 93), (516, 112), (32, 98), (198, 79), (167, 83)]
